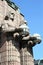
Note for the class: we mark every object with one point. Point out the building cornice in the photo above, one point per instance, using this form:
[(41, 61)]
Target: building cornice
[(12, 4)]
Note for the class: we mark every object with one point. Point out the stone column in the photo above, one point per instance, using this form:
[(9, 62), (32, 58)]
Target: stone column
[(13, 54), (26, 55), (9, 51)]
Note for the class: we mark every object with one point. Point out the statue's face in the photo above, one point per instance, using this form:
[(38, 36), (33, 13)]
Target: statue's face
[(25, 29)]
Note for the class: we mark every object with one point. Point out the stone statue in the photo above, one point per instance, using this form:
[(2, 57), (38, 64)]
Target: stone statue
[(22, 36), (16, 41), (8, 26)]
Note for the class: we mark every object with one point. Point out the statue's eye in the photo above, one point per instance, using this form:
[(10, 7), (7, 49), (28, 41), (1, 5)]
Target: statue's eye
[(6, 18)]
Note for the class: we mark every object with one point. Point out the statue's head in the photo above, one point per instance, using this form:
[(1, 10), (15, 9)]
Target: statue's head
[(25, 28), (38, 38)]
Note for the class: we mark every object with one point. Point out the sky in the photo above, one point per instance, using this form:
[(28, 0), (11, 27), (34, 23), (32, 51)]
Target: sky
[(33, 12)]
